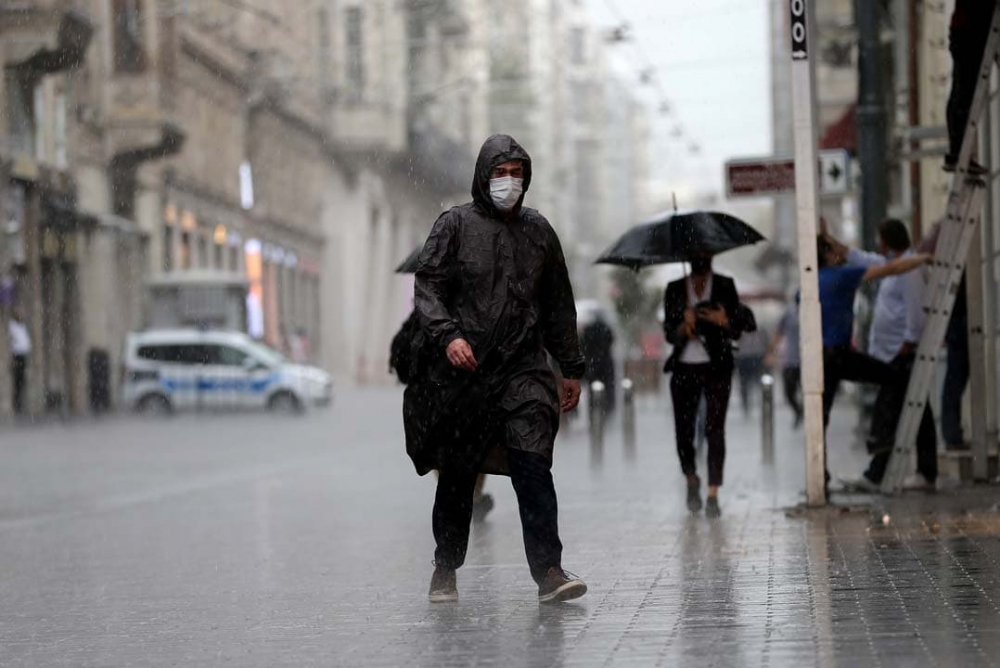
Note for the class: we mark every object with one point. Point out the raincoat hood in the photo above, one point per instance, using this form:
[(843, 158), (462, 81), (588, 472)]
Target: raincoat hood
[(496, 150)]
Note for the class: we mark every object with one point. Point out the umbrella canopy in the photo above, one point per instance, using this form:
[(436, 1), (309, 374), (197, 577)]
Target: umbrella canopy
[(679, 236), (409, 265)]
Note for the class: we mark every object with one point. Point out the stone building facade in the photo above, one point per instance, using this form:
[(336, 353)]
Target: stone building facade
[(178, 163)]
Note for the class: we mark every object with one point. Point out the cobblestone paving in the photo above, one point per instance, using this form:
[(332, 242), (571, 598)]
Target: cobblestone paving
[(249, 541)]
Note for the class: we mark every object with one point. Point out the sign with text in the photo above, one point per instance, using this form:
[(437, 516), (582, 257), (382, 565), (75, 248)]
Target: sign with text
[(754, 177)]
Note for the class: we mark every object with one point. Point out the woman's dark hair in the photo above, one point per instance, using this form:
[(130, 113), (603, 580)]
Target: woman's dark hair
[(822, 248), (895, 235)]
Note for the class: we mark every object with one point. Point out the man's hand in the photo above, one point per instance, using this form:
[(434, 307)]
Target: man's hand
[(908, 348), (570, 394), (460, 355), (715, 315)]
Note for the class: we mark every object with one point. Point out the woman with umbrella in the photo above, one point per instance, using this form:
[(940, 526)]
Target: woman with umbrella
[(702, 317)]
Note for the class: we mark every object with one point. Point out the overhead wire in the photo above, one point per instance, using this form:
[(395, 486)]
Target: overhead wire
[(649, 75)]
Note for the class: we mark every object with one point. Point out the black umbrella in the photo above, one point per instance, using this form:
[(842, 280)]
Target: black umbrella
[(679, 236), (409, 265)]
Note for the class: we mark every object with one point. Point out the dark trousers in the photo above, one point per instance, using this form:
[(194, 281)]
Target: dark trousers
[(688, 383), (888, 409), (842, 363), (956, 377), (19, 370), (967, 47), (791, 377), (749, 369), (531, 476)]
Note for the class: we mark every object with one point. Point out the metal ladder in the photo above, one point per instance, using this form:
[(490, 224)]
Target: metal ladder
[(965, 203)]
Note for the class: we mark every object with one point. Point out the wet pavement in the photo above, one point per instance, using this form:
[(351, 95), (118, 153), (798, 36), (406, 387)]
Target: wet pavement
[(252, 541)]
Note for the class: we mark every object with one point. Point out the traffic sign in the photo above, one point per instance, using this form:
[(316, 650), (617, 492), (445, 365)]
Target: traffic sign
[(834, 172), (754, 177)]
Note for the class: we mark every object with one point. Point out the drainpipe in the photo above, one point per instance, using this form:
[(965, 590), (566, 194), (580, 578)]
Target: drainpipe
[(871, 121), (125, 164), (913, 90), (75, 32)]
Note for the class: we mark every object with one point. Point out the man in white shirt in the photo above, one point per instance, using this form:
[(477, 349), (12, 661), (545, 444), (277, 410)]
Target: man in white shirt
[(20, 349), (895, 332)]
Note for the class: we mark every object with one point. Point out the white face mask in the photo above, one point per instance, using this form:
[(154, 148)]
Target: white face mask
[(505, 192)]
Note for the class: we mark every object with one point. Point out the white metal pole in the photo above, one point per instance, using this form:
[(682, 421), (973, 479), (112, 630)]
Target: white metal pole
[(806, 201), (977, 350), (989, 266)]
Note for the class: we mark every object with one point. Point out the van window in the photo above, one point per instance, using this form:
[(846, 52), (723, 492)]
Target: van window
[(193, 354), (227, 355)]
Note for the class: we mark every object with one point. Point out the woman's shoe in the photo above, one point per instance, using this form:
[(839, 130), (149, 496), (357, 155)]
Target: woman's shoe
[(712, 509), (694, 494)]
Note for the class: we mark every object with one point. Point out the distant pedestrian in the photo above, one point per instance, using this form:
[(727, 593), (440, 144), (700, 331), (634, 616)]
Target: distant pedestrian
[(597, 342), (967, 37), (750, 364), (786, 338), (493, 295), (409, 356), (702, 316), (20, 349), (956, 376), (298, 346), (896, 328), (838, 287)]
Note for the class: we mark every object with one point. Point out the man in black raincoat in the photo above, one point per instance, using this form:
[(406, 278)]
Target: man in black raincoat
[(493, 295)]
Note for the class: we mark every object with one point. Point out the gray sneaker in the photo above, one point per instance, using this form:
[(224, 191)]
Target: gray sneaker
[(560, 585), (918, 482), (861, 484), (444, 586)]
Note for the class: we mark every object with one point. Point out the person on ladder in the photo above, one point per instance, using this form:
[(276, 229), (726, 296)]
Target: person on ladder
[(967, 38)]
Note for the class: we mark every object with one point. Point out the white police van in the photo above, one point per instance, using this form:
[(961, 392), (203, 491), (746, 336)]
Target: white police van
[(189, 369)]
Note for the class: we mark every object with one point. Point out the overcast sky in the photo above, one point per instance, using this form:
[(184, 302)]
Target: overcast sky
[(711, 57)]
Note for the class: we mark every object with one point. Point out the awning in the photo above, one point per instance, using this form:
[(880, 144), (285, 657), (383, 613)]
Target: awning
[(843, 133)]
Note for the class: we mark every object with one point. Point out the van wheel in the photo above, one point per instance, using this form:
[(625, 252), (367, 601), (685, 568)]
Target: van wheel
[(284, 403), (155, 405)]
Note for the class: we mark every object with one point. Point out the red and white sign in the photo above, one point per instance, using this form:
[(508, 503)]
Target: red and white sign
[(745, 178), (776, 176)]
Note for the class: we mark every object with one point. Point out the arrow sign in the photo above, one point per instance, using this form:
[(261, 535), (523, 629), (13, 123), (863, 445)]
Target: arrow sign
[(750, 177), (833, 170)]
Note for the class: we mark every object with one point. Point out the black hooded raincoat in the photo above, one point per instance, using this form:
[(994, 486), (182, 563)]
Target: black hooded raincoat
[(499, 282)]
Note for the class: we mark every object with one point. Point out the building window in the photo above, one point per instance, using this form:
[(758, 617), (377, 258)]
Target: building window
[(354, 29), (246, 185), (61, 156), (202, 252), (20, 111), (234, 258), (129, 42), (185, 262), (168, 247)]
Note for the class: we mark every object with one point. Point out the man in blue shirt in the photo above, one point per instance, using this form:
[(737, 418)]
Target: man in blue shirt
[(895, 332), (838, 286)]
